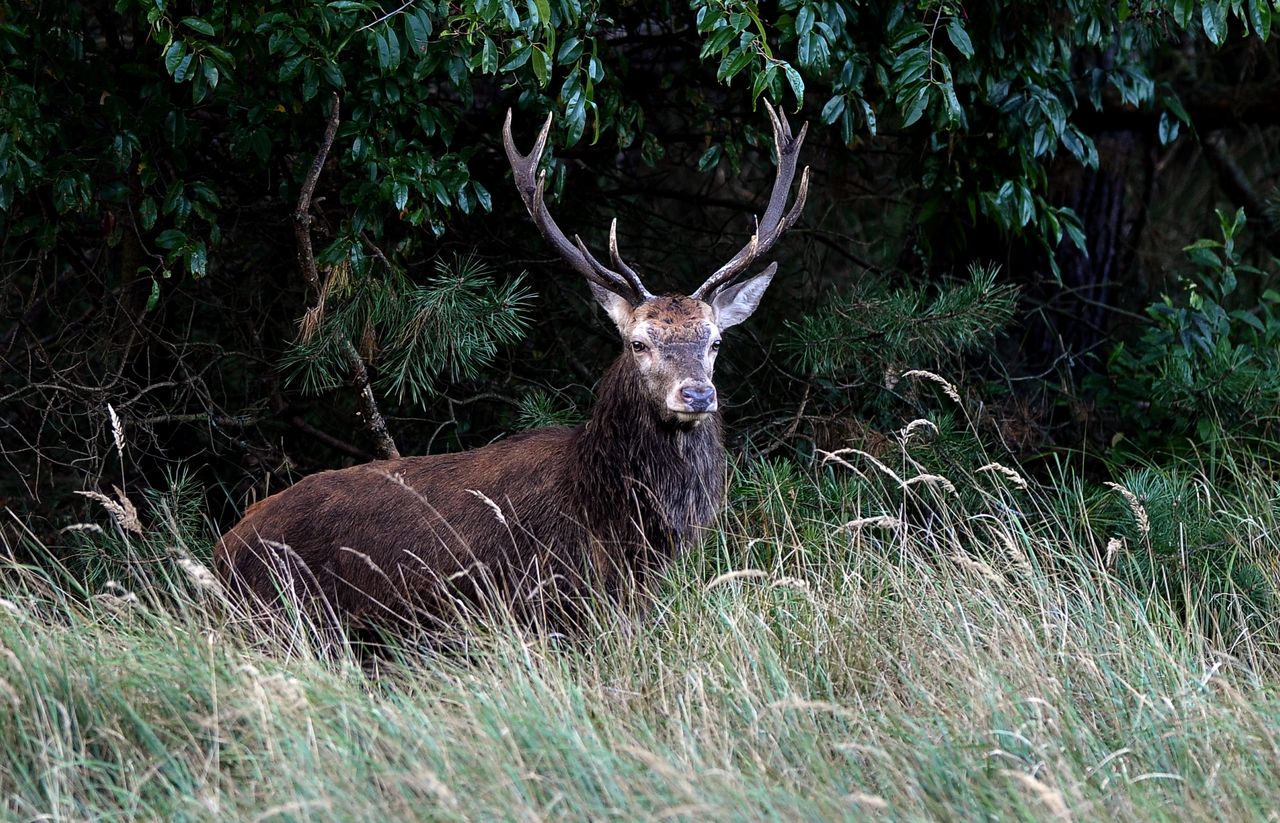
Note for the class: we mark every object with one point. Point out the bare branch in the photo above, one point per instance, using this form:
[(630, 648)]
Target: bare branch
[(369, 412)]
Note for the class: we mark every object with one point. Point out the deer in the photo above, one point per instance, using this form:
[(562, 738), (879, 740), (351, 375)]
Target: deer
[(546, 521)]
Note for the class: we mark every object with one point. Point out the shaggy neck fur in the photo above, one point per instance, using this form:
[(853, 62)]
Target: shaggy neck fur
[(648, 482)]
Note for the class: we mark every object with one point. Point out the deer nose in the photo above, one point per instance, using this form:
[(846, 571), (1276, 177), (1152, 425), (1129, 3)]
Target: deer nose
[(698, 398)]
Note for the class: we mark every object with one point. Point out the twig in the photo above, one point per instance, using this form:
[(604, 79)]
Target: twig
[(302, 214), (387, 16), (375, 423), (221, 421)]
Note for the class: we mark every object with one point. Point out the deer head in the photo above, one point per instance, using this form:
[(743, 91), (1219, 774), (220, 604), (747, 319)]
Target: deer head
[(673, 339)]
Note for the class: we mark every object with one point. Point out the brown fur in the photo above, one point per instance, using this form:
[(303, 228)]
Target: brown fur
[(592, 508)]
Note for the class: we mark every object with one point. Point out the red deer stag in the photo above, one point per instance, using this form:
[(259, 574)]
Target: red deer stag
[(593, 508)]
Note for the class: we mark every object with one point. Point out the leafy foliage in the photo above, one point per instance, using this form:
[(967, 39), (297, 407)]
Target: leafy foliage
[(540, 408), (873, 330), (151, 154), (1202, 368), (451, 326)]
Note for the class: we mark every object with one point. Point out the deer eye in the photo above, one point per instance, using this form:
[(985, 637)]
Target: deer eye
[(637, 346), (715, 345)]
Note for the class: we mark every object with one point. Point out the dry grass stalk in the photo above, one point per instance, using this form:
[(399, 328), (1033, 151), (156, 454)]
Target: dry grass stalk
[(1011, 475), (882, 521), (837, 456), (931, 480), (740, 574), (947, 389), (917, 426), (200, 575), (116, 597), (1135, 506), (975, 566), (82, 527), (788, 704), (10, 694), (494, 507), (1114, 547), (1014, 551), (122, 510), (117, 430)]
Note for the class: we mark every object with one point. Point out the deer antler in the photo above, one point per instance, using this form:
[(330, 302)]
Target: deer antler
[(774, 222), (531, 186)]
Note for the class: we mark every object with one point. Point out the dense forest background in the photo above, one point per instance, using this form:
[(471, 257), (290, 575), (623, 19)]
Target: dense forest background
[(1067, 211)]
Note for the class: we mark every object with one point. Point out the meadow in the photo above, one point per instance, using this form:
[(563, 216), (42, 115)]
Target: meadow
[(859, 638)]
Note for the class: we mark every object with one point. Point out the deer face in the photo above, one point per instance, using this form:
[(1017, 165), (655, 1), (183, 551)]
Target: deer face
[(673, 341)]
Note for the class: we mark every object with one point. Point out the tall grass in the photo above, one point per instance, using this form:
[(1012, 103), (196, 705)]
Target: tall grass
[(852, 642)]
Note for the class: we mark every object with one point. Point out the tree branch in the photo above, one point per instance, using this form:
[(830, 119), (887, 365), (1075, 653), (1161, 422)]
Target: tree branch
[(369, 413)]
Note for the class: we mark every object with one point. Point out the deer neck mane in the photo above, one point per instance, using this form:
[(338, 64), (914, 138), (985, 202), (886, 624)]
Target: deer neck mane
[(639, 470)]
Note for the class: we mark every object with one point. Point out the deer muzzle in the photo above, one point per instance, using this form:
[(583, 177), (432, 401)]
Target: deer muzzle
[(692, 400)]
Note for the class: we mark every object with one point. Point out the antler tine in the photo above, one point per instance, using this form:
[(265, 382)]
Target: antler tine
[(532, 187), (602, 275), (777, 218), (620, 264)]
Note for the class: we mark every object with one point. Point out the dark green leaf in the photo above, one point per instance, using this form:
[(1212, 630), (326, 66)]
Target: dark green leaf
[(1260, 17), (417, 31), (869, 116), (210, 71), (147, 213), (1182, 10), (763, 80), (173, 56), (570, 50), (518, 59), (482, 196), (544, 11), (733, 63), (171, 239), (833, 109), (198, 25), (959, 37), (183, 71), (1213, 16), (509, 12), (915, 108), (804, 20), (198, 260), (710, 158), (797, 84), (489, 56), (541, 69)]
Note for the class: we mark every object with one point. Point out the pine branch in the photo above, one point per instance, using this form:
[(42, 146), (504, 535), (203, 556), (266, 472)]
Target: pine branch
[(369, 412)]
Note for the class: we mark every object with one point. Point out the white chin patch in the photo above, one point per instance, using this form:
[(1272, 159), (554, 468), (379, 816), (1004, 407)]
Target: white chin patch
[(690, 417)]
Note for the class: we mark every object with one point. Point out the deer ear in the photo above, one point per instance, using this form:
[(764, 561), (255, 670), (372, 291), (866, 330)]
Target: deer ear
[(615, 305), (736, 303)]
